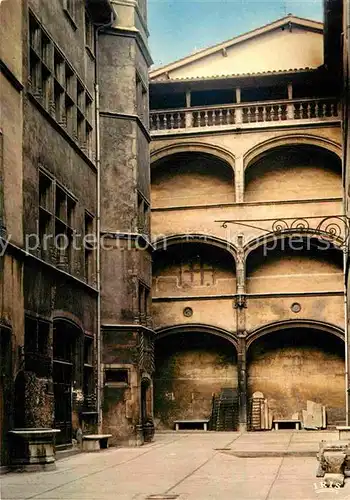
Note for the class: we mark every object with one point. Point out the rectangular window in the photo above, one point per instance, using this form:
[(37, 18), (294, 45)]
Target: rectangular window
[(36, 346), (64, 228), (116, 376), (89, 33), (142, 215), (55, 84), (88, 385), (143, 302), (70, 7), (89, 250), (45, 214), (141, 100), (59, 80)]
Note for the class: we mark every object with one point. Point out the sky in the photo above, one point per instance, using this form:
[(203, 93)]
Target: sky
[(180, 27)]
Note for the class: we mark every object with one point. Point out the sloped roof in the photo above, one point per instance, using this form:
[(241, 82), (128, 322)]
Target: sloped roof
[(307, 24)]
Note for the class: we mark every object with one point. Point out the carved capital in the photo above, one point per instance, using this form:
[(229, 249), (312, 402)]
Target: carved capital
[(240, 302)]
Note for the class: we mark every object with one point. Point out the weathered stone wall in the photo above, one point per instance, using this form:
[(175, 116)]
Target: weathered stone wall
[(185, 180), (190, 369), (291, 367)]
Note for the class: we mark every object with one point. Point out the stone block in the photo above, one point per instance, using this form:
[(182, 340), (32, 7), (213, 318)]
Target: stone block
[(333, 480)]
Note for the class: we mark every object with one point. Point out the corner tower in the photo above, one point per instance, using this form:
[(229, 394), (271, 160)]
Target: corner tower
[(126, 327)]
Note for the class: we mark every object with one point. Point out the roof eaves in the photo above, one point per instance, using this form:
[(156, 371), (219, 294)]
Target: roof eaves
[(236, 75)]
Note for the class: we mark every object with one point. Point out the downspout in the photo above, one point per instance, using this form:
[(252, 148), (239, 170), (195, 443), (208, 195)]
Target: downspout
[(98, 219), (346, 173), (346, 338)]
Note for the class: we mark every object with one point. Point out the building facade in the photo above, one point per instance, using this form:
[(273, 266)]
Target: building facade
[(248, 289), (76, 335), (210, 282)]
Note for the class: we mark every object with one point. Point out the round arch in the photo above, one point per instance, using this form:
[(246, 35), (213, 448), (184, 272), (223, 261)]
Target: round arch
[(288, 324), (197, 328), (68, 317), (194, 147), (254, 244), (257, 151), (176, 239)]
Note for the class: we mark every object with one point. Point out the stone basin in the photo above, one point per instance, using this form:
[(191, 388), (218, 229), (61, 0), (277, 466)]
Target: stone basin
[(32, 449)]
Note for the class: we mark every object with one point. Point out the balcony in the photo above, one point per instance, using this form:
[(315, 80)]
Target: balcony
[(244, 116)]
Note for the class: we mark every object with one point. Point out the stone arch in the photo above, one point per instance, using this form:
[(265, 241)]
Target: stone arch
[(176, 239), (336, 241), (275, 327), (193, 362), (197, 328), (284, 261), (194, 147), (70, 318), (257, 151)]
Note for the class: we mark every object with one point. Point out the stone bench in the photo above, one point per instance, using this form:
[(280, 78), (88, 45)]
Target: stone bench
[(203, 422), (95, 442), (296, 423)]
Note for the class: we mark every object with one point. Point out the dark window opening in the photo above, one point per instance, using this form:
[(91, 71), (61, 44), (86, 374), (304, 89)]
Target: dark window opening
[(258, 94), (167, 101), (212, 97), (37, 346), (116, 376)]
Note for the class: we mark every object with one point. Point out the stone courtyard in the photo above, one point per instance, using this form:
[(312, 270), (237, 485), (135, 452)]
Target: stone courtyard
[(272, 465)]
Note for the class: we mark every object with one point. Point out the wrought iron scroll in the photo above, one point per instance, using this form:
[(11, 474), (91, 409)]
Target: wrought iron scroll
[(333, 227)]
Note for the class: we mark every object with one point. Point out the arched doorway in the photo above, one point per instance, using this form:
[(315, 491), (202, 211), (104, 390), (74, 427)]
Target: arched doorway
[(66, 351), (192, 365), (295, 363)]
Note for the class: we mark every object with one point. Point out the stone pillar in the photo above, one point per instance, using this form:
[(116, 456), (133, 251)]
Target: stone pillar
[(240, 307), (239, 179), (189, 116), (239, 114), (242, 382)]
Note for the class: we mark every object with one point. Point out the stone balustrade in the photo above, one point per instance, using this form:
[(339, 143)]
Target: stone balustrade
[(244, 115)]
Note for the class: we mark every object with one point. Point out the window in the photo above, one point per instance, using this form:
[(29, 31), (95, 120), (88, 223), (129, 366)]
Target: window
[(116, 376), (56, 222), (88, 381), (36, 346), (45, 214), (142, 215), (89, 248), (70, 7), (141, 100), (64, 227), (143, 302), (89, 33), (56, 86)]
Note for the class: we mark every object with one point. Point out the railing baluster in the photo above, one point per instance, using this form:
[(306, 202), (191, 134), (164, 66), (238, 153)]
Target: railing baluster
[(256, 113), (252, 113), (279, 112), (324, 110), (316, 109)]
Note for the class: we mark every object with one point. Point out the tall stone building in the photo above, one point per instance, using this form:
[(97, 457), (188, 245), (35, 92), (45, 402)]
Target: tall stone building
[(248, 229), (248, 291), (75, 323)]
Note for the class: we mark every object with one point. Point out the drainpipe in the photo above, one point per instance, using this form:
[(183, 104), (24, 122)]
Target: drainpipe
[(346, 331), (98, 217), (346, 177)]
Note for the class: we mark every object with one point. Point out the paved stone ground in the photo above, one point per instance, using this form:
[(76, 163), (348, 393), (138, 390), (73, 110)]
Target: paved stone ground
[(184, 466)]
